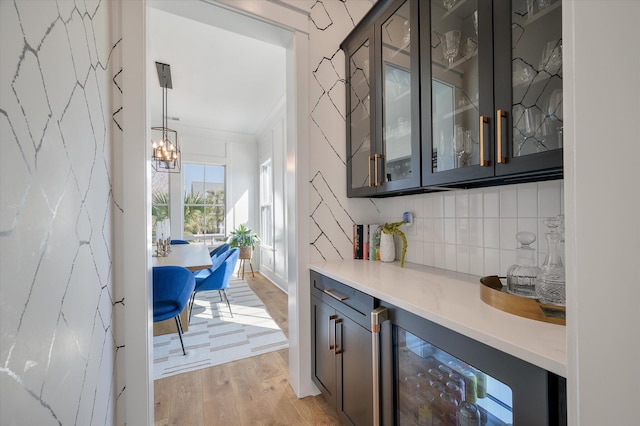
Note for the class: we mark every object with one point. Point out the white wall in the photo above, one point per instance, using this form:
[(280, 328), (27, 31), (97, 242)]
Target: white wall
[(602, 200), (272, 144)]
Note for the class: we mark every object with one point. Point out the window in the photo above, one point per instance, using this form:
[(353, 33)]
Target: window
[(266, 204), (159, 198), (204, 202)]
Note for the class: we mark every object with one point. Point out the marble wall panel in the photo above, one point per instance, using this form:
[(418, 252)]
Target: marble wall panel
[(58, 99)]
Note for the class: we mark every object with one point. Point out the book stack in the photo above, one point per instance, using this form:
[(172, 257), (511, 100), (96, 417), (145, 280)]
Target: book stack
[(366, 242)]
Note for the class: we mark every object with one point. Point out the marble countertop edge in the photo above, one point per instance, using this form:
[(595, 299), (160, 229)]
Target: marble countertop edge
[(452, 300)]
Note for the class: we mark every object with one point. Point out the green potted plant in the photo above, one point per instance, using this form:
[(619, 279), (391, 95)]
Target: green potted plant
[(245, 239), (387, 247)]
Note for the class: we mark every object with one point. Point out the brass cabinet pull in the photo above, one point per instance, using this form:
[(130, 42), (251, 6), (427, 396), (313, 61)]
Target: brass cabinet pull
[(501, 114), (378, 316), (338, 297), (377, 167), (337, 350), (331, 318), (371, 160), (483, 120)]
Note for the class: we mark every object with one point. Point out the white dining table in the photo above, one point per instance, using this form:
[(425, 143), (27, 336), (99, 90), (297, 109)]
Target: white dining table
[(194, 257)]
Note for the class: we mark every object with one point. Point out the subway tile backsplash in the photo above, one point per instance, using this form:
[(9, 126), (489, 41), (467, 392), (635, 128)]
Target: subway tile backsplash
[(473, 231)]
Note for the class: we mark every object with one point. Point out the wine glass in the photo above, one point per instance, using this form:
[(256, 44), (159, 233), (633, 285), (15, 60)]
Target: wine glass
[(468, 147), (554, 107), (528, 123), (554, 111), (551, 60), (449, 3), (458, 142), (475, 21), (451, 45)]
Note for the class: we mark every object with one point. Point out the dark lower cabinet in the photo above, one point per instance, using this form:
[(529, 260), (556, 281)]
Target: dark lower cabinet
[(341, 349), (426, 373)]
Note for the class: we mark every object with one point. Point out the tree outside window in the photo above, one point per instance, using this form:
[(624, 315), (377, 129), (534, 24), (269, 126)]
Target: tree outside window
[(204, 202)]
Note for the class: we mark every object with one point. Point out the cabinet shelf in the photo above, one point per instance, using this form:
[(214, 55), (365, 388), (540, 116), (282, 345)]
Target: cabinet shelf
[(460, 110), (455, 64), (462, 8), (541, 13)]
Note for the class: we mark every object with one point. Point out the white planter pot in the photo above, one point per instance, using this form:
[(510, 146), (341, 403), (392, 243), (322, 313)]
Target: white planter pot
[(387, 248)]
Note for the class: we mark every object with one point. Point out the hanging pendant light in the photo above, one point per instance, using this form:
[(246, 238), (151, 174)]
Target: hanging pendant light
[(164, 141)]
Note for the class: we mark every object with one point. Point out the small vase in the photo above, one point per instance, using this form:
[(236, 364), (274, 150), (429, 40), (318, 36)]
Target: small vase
[(387, 248)]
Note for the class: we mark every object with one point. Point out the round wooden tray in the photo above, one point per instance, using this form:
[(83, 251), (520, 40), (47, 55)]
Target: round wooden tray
[(493, 293)]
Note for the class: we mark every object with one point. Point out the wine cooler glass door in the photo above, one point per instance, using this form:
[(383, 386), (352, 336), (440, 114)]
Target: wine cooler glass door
[(436, 388)]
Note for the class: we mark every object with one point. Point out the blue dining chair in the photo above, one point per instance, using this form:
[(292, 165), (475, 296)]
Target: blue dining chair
[(217, 278), (219, 250), (179, 242), (216, 260), (172, 287)]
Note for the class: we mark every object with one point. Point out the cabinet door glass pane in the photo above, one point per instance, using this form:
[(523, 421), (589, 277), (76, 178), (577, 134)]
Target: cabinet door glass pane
[(360, 118), (537, 75), (396, 102), (436, 388), (454, 84)]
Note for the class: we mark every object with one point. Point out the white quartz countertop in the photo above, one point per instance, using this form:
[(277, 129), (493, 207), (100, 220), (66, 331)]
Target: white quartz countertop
[(453, 301)]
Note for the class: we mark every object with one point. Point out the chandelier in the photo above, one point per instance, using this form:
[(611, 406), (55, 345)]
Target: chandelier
[(164, 141)]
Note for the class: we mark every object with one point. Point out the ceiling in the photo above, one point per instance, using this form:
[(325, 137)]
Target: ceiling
[(221, 79)]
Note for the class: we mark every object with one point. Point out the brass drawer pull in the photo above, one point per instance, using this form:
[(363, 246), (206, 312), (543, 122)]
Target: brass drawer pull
[(334, 295)]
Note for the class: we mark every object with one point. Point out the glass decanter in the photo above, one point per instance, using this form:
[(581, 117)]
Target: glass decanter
[(521, 276), (551, 281)]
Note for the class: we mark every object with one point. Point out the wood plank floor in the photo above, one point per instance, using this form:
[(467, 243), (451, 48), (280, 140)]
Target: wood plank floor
[(252, 391)]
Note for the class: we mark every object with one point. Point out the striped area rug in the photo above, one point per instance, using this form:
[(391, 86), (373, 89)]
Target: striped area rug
[(214, 337)]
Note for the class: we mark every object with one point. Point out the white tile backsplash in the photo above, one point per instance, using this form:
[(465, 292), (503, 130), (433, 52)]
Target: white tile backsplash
[(492, 233), (491, 203), (527, 201), (475, 204), (450, 204), (508, 230), (462, 231), (450, 230), (474, 231), (462, 204), (508, 201)]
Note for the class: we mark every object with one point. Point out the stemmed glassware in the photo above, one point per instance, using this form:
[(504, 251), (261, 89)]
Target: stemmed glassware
[(451, 45), (554, 112), (528, 124), (551, 60), (463, 145), (449, 3)]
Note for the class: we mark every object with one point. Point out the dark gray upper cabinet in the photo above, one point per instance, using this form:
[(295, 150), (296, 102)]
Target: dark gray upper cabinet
[(383, 100), (492, 92), (453, 93)]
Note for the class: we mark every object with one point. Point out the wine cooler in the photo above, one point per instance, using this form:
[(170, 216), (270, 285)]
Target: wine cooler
[(430, 375)]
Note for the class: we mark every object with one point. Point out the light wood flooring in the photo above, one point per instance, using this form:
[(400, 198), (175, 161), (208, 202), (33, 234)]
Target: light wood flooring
[(252, 391)]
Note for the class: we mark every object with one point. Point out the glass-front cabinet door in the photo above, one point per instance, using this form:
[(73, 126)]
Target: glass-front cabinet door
[(360, 129), (397, 161), (493, 104), (383, 99), (457, 73), (528, 111)]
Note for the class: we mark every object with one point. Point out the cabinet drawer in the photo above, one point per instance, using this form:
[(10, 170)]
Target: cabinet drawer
[(332, 290)]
